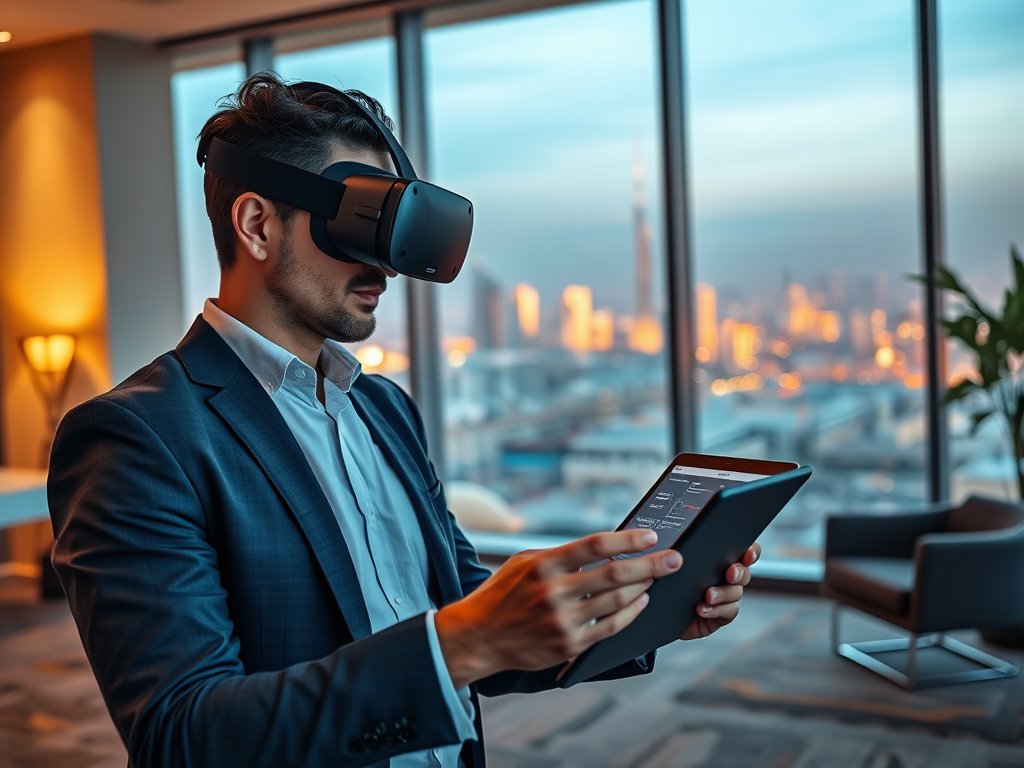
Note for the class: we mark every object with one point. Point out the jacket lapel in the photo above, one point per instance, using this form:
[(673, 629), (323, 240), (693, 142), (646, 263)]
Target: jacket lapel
[(441, 556), (255, 420)]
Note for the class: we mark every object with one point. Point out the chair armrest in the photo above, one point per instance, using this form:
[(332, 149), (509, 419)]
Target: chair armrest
[(969, 580), (880, 535)]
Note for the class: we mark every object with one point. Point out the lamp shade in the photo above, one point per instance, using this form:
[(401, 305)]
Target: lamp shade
[(49, 354)]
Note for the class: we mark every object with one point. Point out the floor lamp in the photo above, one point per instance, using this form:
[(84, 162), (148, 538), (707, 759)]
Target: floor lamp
[(49, 359)]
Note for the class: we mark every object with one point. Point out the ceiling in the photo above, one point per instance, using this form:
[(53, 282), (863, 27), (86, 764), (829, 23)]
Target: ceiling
[(34, 21)]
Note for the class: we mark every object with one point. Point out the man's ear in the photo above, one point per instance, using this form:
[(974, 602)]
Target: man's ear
[(252, 217)]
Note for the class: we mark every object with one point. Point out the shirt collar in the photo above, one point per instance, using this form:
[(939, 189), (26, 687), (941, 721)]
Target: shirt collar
[(271, 364)]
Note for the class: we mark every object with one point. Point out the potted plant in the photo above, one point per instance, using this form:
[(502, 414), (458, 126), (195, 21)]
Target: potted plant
[(996, 340)]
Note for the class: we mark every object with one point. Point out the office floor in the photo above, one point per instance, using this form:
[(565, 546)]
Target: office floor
[(829, 713)]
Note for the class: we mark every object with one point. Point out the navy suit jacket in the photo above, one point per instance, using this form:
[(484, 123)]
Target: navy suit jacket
[(213, 589)]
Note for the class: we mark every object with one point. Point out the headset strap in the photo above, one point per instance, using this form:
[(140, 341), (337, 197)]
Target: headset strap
[(272, 178), (402, 162)]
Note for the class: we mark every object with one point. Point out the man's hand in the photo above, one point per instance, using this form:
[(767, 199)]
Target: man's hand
[(540, 609), (721, 604)]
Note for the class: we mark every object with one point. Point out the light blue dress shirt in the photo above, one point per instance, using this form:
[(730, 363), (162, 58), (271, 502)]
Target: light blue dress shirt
[(369, 501)]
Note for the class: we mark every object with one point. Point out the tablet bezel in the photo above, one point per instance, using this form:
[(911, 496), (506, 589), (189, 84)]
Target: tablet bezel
[(710, 461)]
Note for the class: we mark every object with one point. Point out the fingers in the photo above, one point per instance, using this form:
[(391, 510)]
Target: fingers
[(722, 595), (613, 623), (619, 573), (600, 546), (721, 614), (609, 602), (737, 574), (752, 555)]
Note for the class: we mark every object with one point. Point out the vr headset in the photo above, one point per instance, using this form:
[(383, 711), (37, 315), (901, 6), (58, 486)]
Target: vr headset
[(359, 213)]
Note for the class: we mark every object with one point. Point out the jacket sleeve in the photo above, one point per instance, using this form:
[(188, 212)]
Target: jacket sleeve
[(133, 552)]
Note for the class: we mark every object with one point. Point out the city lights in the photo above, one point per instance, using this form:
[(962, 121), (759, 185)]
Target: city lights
[(370, 356), (456, 358), (750, 381), (885, 357), (464, 344), (707, 323), (603, 326), (577, 317), (790, 381), (646, 336), (528, 310)]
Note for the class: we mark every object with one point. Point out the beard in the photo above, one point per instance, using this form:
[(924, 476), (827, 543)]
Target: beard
[(313, 307)]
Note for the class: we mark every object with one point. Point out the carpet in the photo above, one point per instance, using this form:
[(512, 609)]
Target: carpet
[(792, 670)]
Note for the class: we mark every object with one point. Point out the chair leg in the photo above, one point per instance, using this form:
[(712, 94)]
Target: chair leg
[(834, 626), (912, 661), (863, 653)]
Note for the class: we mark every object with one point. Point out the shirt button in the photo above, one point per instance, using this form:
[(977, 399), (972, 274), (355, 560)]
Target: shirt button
[(300, 374), (398, 600)]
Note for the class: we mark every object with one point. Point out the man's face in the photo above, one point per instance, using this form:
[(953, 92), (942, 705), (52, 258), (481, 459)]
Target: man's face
[(331, 298)]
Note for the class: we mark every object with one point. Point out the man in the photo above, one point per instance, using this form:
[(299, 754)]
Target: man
[(253, 540)]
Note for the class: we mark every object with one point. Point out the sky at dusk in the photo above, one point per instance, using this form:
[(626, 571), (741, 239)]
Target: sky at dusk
[(802, 141)]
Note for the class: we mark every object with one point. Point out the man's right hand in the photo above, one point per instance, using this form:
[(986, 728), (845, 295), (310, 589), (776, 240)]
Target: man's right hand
[(540, 609)]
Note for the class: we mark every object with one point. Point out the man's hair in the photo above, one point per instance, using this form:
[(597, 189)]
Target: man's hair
[(295, 126)]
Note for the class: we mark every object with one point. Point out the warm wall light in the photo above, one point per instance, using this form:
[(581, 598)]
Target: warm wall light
[(49, 354), (5, 37), (49, 358)]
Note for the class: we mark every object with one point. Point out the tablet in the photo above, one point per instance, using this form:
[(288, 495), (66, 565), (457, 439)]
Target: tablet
[(710, 509)]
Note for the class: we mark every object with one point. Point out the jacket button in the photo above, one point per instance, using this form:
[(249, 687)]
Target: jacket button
[(356, 746), (381, 729), (371, 742), (407, 734)]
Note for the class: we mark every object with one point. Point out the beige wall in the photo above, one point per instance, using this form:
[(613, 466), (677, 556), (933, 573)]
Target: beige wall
[(81, 250), (52, 270)]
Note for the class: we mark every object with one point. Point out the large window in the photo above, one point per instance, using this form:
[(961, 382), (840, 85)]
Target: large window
[(553, 336), (804, 187), (982, 100), (194, 95)]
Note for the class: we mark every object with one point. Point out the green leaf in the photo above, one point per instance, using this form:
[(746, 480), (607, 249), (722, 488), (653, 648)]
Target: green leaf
[(977, 419), (959, 391), (1018, 269)]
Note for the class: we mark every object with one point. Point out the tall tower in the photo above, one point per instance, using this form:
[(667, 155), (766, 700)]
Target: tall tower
[(646, 335), (641, 238), (488, 310), (577, 318)]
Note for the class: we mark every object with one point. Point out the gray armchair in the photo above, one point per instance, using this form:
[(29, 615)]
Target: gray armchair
[(929, 572)]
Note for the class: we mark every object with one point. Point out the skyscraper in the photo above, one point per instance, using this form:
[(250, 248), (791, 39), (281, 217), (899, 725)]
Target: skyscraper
[(707, 324), (488, 310), (577, 318), (646, 335), (528, 310)]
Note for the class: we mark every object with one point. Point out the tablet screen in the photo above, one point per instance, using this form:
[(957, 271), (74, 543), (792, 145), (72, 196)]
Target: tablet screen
[(676, 500)]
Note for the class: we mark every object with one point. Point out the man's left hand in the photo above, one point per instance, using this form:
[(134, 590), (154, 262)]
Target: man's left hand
[(722, 604)]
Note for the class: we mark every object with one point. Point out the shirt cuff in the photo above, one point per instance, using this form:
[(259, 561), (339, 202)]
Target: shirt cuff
[(460, 705)]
